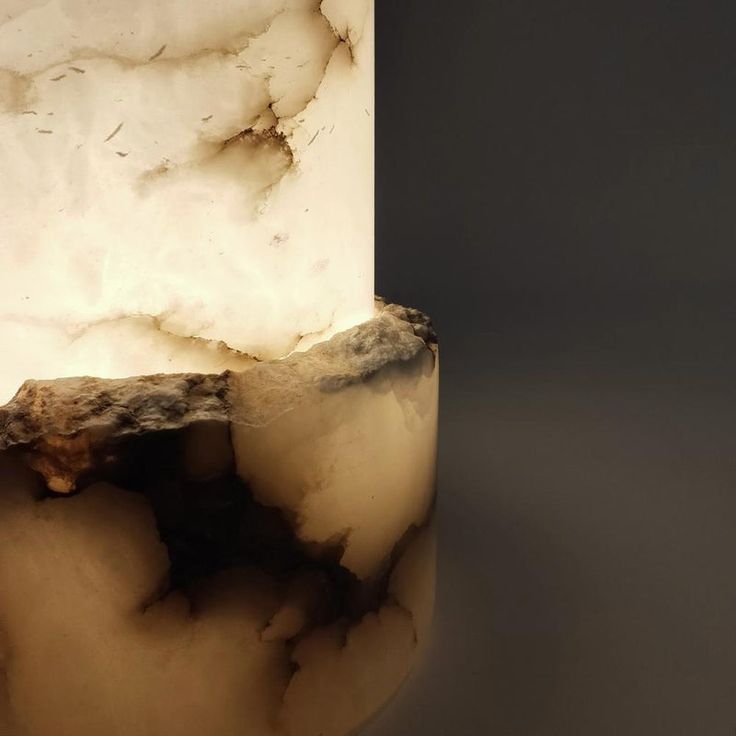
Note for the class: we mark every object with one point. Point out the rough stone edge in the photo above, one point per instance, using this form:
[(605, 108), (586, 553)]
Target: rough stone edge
[(65, 422)]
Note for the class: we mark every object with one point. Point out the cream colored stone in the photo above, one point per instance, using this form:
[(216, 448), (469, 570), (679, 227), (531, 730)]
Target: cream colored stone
[(301, 600), (172, 171), (238, 541), (346, 676), (340, 447), (413, 581), (339, 460), (94, 639), (93, 654)]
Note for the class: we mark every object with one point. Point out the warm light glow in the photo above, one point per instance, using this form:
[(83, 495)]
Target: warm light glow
[(170, 174), (246, 554), (187, 187)]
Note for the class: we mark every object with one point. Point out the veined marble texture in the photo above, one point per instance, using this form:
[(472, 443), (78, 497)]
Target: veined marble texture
[(217, 489), (174, 170), (242, 554)]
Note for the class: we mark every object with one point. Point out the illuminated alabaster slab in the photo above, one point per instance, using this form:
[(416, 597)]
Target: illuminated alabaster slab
[(245, 553), (174, 169), (217, 457)]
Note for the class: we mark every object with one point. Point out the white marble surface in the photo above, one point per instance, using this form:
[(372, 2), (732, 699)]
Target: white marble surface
[(181, 170)]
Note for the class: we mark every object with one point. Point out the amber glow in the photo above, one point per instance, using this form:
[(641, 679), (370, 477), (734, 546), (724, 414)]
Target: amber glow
[(173, 175)]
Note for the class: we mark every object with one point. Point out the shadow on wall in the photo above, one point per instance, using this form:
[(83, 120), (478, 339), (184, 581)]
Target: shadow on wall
[(506, 598)]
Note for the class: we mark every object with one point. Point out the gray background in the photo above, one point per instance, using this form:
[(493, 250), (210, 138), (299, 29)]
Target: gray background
[(557, 187)]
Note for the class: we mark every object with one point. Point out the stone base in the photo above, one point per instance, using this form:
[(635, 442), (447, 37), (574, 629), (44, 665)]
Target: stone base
[(244, 554)]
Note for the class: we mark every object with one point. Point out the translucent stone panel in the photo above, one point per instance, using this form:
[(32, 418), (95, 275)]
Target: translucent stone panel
[(243, 554), (176, 170)]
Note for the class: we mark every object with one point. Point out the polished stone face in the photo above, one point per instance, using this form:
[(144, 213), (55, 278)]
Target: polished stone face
[(242, 554), (176, 170)]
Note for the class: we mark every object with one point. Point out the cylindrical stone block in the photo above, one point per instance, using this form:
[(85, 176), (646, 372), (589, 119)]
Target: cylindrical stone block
[(242, 554)]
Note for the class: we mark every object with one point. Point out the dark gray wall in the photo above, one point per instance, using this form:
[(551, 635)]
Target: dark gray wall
[(556, 186), (531, 149)]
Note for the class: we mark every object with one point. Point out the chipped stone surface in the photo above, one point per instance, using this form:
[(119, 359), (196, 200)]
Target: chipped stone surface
[(207, 172), (69, 424), (247, 553), (111, 409), (228, 530), (74, 423)]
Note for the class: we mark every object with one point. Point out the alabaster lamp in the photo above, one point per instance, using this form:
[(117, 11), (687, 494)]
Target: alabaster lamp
[(217, 455)]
